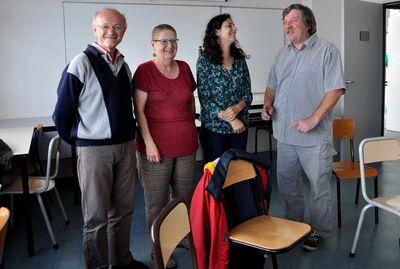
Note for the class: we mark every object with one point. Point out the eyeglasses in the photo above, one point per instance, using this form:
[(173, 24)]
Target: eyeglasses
[(165, 42), (116, 27)]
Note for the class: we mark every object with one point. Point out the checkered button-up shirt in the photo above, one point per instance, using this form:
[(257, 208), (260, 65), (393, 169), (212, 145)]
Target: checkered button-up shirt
[(300, 80)]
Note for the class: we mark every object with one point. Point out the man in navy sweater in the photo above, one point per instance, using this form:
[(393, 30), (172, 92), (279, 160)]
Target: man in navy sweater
[(94, 112)]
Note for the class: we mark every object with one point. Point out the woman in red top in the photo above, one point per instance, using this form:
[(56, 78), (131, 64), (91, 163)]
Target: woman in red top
[(165, 108)]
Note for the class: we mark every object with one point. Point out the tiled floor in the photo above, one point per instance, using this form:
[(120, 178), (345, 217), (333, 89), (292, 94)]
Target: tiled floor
[(378, 245)]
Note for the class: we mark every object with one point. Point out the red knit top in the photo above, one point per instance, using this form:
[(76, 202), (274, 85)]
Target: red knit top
[(168, 110)]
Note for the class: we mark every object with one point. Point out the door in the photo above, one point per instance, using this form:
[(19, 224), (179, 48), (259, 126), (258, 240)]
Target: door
[(363, 64)]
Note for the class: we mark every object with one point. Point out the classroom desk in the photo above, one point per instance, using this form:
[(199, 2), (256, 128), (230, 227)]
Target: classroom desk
[(19, 140), (47, 122)]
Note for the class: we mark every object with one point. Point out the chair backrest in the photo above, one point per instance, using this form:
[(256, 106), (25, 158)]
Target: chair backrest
[(52, 154), (345, 129), (36, 135), (169, 228), (238, 171), (34, 150), (4, 217), (379, 149), (376, 149)]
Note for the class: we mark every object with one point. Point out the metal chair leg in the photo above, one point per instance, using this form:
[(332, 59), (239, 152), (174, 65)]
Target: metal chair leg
[(45, 199), (61, 206), (359, 225), (357, 191), (11, 210), (376, 195), (255, 141), (274, 261), (270, 147), (46, 220), (339, 206)]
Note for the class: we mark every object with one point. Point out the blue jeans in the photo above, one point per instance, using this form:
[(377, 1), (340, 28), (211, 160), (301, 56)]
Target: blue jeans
[(215, 144)]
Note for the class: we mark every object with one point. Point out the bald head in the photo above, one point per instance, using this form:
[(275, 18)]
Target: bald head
[(109, 12), (109, 27)]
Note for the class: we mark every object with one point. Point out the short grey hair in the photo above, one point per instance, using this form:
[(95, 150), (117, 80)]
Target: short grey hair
[(162, 27)]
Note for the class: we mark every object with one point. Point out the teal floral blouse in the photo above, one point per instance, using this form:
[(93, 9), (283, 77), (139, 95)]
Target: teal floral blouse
[(220, 88)]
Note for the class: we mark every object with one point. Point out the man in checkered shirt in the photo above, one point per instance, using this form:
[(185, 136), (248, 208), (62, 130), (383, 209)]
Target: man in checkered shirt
[(304, 84)]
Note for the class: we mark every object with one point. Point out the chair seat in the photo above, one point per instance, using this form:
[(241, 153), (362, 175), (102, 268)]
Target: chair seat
[(392, 201), (351, 170), (36, 184), (270, 233)]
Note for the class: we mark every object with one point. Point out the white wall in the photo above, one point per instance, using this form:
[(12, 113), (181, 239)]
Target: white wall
[(32, 56), (328, 14)]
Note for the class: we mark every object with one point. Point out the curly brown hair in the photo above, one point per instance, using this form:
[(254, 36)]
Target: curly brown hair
[(211, 49)]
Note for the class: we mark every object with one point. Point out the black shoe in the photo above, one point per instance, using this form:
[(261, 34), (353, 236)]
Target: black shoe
[(312, 241), (132, 265)]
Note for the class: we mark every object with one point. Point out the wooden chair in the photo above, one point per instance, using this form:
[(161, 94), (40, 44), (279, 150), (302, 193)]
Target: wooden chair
[(169, 228), (371, 150), (4, 217), (40, 185), (344, 129), (269, 234)]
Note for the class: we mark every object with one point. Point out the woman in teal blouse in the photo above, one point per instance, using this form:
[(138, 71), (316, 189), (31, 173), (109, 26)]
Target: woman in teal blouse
[(223, 84)]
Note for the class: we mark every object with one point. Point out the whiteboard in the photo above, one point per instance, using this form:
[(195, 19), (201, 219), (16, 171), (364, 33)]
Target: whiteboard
[(259, 32)]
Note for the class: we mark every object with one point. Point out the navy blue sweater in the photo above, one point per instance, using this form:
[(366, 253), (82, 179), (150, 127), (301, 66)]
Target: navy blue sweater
[(94, 105)]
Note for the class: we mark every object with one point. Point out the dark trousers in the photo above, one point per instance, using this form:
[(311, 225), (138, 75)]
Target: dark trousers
[(215, 144)]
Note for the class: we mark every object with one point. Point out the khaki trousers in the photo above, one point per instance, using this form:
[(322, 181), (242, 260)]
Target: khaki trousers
[(173, 177), (107, 181)]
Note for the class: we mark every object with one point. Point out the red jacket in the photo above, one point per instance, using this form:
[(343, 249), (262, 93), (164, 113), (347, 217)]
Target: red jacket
[(207, 214), (209, 227)]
